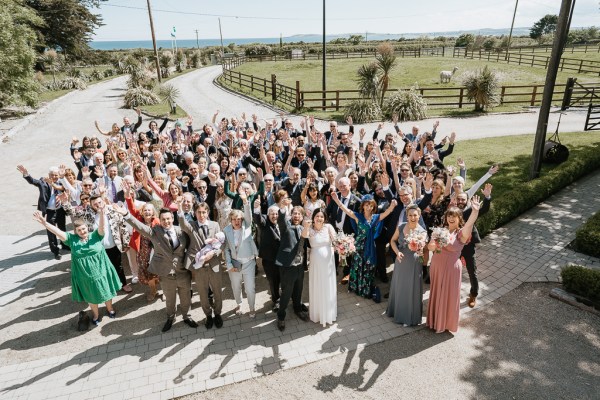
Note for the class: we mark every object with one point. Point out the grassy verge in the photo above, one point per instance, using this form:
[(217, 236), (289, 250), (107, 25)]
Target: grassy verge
[(513, 193), (50, 95), (162, 109)]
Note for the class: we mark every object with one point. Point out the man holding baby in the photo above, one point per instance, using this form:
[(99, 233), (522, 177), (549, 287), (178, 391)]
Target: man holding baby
[(203, 257)]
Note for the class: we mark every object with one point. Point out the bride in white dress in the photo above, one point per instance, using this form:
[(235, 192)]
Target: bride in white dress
[(322, 288)]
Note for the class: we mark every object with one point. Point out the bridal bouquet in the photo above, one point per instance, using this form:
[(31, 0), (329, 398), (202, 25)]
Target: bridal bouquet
[(441, 236), (344, 245), (416, 242)]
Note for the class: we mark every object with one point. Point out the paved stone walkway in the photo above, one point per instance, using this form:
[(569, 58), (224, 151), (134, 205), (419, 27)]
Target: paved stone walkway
[(184, 361)]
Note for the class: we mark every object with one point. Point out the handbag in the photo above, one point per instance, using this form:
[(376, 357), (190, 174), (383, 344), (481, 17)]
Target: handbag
[(554, 151)]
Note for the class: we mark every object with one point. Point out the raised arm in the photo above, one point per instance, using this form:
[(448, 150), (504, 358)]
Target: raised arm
[(107, 133), (346, 210), (389, 210), (37, 216), (467, 229), (493, 169)]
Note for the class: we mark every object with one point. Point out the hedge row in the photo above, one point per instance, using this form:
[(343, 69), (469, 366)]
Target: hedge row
[(587, 239), (582, 281), (528, 194)]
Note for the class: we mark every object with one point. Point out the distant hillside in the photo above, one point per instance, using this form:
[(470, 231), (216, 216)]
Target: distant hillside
[(521, 31)]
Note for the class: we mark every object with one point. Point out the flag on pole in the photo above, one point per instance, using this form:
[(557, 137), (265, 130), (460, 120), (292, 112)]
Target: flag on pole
[(173, 32)]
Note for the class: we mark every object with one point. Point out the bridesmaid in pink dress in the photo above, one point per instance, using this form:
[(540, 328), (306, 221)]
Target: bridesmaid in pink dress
[(446, 270)]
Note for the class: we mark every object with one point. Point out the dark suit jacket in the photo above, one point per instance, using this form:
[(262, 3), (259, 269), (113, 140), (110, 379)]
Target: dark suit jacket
[(332, 210), (485, 207), (44, 189), (269, 239), (165, 258), (197, 241), (291, 243)]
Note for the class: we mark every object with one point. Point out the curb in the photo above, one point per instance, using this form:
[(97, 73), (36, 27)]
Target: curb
[(560, 294)]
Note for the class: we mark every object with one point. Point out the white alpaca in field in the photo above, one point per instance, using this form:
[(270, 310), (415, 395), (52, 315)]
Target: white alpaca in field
[(445, 76)]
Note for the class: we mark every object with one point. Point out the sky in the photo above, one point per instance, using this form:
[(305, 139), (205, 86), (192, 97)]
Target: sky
[(128, 19)]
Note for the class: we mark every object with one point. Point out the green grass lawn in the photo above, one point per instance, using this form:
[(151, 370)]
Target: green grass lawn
[(424, 72), (341, 74), (513, 153)]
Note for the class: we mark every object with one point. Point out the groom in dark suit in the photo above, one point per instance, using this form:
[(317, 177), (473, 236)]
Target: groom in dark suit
[(291, 261)]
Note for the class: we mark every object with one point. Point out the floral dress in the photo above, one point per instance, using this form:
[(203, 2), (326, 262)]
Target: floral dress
[(362, 267)]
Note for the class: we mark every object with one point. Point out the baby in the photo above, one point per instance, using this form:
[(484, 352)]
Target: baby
[(211, 244)]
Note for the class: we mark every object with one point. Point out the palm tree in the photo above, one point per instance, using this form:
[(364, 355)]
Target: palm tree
[(368, 81), (386, 61), (164, 60), (51, 59)]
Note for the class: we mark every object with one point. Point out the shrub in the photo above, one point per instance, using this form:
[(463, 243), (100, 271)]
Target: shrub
[(96, 74), (164, 59), (582, 281), (465, 40), (141, 77), (108, 72), (368, 81), (407, 104), (587, 239), (169, 94), (71, 83), (179, 60), (140, 97), (527, 195), (195, 59), (482, 88), (258, 50), (363, 111)]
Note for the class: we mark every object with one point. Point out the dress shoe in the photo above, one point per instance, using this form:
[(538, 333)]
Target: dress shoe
[(303, 315), (345, 280), (167, 325), (209, 322), (112, 314), (190, 322), (135, 280), (218, 321), (472, 300), (304, 308), (57, 256), (281, 325)]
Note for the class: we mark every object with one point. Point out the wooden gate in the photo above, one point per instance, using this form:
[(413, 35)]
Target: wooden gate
[(592, 121)]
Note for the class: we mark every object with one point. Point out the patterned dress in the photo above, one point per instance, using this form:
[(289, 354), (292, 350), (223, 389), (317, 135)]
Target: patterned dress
[(362, 267)]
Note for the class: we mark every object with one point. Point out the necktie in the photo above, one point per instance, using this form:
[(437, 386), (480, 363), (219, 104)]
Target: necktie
[(204, 230), (171, 241), (340, 212), (113, 187)]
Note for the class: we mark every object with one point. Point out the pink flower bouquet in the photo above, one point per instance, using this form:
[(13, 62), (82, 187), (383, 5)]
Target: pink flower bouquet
[(441, 237), (344, 245)]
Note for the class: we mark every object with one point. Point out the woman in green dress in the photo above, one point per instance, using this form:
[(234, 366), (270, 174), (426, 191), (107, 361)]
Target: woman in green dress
[(93, 279)]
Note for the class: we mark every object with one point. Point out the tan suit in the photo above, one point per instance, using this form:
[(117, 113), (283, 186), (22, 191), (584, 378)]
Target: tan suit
[(168, 264)]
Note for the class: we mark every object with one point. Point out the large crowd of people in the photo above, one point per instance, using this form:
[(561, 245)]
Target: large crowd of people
[(185, 205)]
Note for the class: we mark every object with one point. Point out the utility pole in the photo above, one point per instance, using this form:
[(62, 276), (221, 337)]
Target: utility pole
[(542, 127), (324, 62), (197, 44), (511, 30), (154, 42), (221, 34), (366, 36)]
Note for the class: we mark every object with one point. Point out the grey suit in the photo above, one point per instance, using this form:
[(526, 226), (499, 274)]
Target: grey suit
[(243, 255), (207, 276), (168, 264)]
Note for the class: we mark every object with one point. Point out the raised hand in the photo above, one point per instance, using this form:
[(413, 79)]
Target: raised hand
[(37, 216), (487, 190), (380, 126), (22, 170), (450, 170), (212, 177), (475, 203), (117, 208), (494, 168), (452, 137), (85, 172), (76, 155), (393, 204), (395, 119), (243, 196), (185, 180), (362, 134), (335, 197), (63, 197), (385, 179), (257, 203), (461, 163), (436, 124), (138, 111), (349, 120)]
